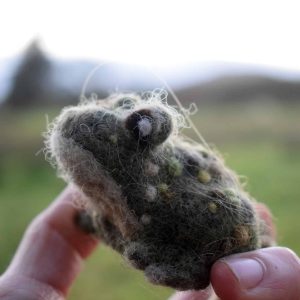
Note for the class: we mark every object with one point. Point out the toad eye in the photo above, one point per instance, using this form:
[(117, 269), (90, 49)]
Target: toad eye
[(125, 103)]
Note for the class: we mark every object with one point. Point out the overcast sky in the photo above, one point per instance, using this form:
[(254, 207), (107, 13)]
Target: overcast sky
[(157, 32)]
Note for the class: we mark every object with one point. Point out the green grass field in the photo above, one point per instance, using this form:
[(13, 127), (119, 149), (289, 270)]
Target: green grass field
[(262, 144)]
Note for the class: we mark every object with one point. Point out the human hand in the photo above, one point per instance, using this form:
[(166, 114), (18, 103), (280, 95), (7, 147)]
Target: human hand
[(53, 248), (265, 274), (50, 255)]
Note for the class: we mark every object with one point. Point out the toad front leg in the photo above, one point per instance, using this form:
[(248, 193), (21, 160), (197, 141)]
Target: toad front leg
[(101, 227)]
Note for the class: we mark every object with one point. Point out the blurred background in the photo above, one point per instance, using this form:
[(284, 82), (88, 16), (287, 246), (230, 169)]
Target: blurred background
[(238, 61)]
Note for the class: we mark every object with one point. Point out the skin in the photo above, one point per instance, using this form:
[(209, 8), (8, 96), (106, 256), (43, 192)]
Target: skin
[(47, 270)]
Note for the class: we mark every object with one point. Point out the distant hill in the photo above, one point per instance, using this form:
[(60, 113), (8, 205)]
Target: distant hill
[(242, 88), (34, 78)]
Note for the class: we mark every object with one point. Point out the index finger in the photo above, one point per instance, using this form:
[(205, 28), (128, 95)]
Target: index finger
[(53, 247)]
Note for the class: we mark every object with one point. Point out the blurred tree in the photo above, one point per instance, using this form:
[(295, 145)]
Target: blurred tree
[(29, 84)]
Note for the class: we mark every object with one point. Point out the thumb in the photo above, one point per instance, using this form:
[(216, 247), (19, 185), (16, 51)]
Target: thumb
[(265, 274)]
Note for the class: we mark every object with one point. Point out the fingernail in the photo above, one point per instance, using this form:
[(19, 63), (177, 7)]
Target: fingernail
[(249, 272)]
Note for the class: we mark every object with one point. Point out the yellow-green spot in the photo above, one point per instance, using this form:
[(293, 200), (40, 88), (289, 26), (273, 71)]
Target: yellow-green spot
[(232, 196), (204, 176), (212, 207), (175, 167), (163, 187), (229, 193), (113, 138), (164, 190)]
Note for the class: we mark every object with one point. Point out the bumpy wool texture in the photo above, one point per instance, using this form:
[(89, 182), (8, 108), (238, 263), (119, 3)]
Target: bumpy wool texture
[(169, 206)]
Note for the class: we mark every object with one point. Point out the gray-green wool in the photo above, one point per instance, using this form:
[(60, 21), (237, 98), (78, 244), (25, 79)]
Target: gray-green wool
[(169, 206)]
